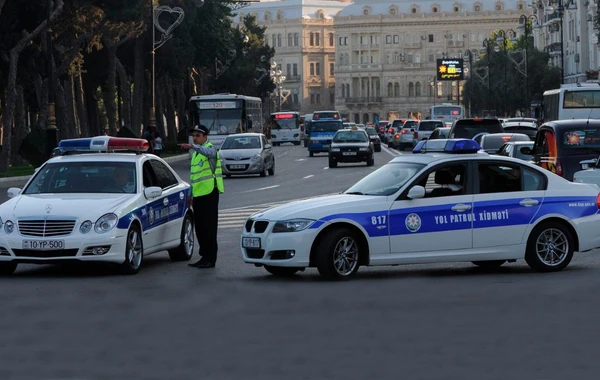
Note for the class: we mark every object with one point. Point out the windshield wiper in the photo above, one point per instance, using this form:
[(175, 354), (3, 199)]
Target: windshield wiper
[(354, 193)]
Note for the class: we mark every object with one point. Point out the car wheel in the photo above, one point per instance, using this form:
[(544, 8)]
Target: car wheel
[(338, 254), (311, 154), (272, 170), (186, 246), (371, 161), (332, 163), (7, 268), (134, 251), (264, 171), (281, 271), (378, 148), (491, 264), (549, 247)]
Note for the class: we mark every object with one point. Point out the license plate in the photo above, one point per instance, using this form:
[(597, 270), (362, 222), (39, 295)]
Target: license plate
[(43, 245), (585, 166), (325, 145), (349, 153), (251, 242), (237, 166)]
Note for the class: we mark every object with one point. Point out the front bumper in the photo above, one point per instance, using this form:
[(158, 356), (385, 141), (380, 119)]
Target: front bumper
[(345, 157), (77, 247), (233, 167), (282, 249)]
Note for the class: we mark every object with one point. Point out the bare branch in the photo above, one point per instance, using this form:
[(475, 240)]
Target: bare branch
[(27, 37), (1, 5), (76, 49)]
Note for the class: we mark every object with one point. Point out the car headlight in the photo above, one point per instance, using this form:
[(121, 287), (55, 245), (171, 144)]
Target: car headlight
[(335, 149), (9, 227), (293, 225), (364, 149), (105, 223), (1, 223), (256, 157), (85, 227)]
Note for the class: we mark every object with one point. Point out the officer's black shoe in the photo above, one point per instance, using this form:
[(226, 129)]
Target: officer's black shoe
[(205, 264), (197, 263)]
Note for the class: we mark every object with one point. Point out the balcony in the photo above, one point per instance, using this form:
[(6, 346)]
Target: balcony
[(412, 65), (452, 43), (293, 78)]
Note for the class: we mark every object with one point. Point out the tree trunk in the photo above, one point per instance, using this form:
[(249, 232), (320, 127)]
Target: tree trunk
[(20, 129), (170, 110), (137, 106), (110, 92), (91, 104), (41, 93), (147, 95), (125, 94), (70, 111), (181, 106), (84, 129)]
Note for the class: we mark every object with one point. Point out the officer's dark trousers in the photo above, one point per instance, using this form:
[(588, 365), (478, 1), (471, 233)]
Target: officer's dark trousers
[(206, 218)]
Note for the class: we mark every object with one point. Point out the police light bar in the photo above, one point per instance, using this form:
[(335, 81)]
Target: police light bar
[(103, 144), (457, 146)]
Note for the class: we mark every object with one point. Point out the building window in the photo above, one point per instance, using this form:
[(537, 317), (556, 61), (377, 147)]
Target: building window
[(296, 39), (331, 39), (411, 89), (366, 11), (289, 70), (413, 10), (477, 8), (345, 40), (312, 69), (396, 90), (274, 38), (331, 69), (279, 40), (434, 9), (312, 39), (388, 39), (431, 38), (279, 15), (318, 68), (295, 71), (418, 89), (290, 39), (332, 97), (295, 99), (317, 39), (456, 9), (390, 92), (393, 10), (267, 16), (396, 39)]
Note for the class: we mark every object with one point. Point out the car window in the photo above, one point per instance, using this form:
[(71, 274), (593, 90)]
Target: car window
[(499, 178), (409, 124), (533, 180), (520, 155), (149, 177), (163, 174), (577, 139), (350, 136), (467, 128), (428, 125), (264, 141), (448, 180), (504, 150), (386, 180)]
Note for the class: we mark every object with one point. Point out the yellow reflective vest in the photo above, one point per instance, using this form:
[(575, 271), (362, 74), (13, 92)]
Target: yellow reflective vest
[(202, 178)]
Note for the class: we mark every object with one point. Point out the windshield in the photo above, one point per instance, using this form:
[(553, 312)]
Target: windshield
[(292, 123), (350, 136), (466, 129), (242, 142), (371, 131), (84, 177), (325, 126), (219, 121), (386, 180)]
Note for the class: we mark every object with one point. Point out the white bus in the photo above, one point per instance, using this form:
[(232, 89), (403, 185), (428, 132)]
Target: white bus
[(446, 112), (226, 114), (572, 101), (285, 127)]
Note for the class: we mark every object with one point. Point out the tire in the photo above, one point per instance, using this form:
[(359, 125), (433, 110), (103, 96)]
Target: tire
[(371, 161), (264, 171), (491, 264), (304, 143), (296, 142), (281, 271), (272, 170), (378, 148), (134, 251), (7, 268), (185, 250), (331, 248), (332, 164), (539, 247), (311, 154)]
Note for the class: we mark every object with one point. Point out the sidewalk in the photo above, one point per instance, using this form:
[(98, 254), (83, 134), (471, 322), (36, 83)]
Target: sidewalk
[(20, 181)]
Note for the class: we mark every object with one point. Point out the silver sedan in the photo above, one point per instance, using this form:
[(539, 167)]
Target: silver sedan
[(247, 153)]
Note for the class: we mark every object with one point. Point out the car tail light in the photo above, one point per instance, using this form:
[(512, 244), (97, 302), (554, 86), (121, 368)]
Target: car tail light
[(397, 136), (559, 170), (404, 131), (416, 134)]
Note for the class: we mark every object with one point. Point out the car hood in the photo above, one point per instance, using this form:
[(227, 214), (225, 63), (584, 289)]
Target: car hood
[(232, 154), (54, 205), (320, 207)]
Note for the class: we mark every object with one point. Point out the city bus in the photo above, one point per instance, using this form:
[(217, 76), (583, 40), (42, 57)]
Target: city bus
[(446, 112), (285, 127), (323, 126), (572, 101), (226, 114)]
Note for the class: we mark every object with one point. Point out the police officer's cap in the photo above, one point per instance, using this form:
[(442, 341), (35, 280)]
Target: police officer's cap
[(200, 129)]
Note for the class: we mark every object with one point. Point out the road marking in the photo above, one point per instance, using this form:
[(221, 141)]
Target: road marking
[(326, 167), (262, 188), (301, 159), (394, 153), (308, 176)]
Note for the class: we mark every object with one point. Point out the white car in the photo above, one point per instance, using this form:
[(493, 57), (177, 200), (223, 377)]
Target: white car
[(448, 205), (590, 173), (109, 207)]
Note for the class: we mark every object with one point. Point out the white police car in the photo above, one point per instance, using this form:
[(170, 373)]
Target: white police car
[(110, 207), (434, 207)]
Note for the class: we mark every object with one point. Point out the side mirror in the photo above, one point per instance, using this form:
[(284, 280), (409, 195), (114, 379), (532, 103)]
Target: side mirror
[(13, 192), (152, 192), (526, 150), (416, 192), (267, 146)]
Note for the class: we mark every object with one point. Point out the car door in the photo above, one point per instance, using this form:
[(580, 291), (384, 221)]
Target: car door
[(174, 200), (442, 220), (267, 153), (507, 198), (152, 222)]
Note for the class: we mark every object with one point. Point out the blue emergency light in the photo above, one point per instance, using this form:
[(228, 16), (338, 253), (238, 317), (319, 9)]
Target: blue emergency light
[(456, 146), (103, 144)]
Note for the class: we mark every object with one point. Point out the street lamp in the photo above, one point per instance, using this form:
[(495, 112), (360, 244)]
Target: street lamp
[(278, 78), (502, 39), (524, 22), (469, 57), (561, 12), (51, 130), (487, 44)]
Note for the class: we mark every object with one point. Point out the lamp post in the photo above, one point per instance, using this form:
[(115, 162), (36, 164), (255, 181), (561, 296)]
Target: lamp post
[(278, 78), (51, 130), (487, 44), (469, 57), (503, 40), (524, 24), (561, 12)]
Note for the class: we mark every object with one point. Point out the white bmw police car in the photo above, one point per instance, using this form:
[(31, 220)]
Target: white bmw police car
[(450, 204), (87, 205)]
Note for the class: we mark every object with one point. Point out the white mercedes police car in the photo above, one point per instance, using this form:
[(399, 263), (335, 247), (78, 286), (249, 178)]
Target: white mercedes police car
[(450, 204), (88, 205)]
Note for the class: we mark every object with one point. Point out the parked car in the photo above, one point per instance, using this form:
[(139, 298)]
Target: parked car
[(247, 153)]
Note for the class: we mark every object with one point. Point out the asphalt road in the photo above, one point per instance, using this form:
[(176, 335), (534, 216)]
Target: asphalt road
[(236, 322)]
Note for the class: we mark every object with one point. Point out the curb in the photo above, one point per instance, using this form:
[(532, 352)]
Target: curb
[(20, 181)]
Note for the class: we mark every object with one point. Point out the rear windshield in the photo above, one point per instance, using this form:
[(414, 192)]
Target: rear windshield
[(409, 124), (466, 129), (494, 142), (429, 125), (574, 140)]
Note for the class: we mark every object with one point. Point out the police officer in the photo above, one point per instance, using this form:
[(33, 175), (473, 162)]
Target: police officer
[(206, 179)]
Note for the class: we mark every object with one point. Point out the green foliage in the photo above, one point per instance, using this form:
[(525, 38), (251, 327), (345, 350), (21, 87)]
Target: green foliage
[(33, 147)]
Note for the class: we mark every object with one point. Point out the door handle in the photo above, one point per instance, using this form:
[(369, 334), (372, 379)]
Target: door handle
[(529, 202), (461, 207), (165, 201)]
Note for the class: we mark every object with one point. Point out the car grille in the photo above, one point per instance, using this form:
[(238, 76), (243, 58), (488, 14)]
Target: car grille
[(255, 253), (45, 254), (260, 226), (350, 149), (46, 228), (4, 251)]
